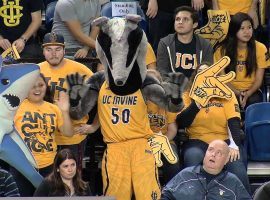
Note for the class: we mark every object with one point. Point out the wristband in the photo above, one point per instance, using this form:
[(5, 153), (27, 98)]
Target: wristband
[(24, 39)]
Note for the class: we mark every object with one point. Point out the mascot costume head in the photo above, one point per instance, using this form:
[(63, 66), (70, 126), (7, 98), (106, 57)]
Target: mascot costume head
[(121, 47), (15, 82)]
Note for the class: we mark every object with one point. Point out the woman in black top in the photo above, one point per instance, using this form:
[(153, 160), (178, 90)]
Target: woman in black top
[(65, 180)]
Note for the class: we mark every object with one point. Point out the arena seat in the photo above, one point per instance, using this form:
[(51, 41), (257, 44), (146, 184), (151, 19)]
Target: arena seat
[(263, 192), (257, 129)]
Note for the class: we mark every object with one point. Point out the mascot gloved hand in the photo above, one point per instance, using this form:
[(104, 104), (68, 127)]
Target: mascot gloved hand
[(175, 85), (78, 88), (160, 144)]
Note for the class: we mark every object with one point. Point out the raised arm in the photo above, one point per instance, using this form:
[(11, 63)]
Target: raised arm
[(30, 31), (83, 96), (63, 104)]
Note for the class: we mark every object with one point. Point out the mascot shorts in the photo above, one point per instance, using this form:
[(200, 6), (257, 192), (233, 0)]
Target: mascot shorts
[(129, 167)]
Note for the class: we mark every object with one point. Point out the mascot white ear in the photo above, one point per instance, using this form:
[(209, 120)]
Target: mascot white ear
[(134, 18), (100, 21)]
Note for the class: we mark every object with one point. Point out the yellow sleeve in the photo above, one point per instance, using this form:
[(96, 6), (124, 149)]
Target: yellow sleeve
[(186, 99), (262, 55), (171, 117), (87, 72), (150, 55), (231, 108), (217, 55)]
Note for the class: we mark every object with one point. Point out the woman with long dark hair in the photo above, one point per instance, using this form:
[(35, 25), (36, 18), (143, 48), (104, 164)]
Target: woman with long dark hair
[(65, 180), (248, 59)]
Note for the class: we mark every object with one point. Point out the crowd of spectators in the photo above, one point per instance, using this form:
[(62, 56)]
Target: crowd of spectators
[(214, 130)]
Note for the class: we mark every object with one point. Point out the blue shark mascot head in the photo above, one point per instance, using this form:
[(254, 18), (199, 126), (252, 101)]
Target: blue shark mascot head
[(15, 82)]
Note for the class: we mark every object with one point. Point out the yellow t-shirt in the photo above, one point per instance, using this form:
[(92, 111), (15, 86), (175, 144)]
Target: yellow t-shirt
[(210, 122), (241, 81), (150, 55), (56, 77), (159, 118), (37, 125), (234, 6), (122, 117)]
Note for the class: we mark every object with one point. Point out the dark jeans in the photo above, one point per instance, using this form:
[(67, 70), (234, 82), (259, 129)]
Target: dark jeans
[(25, 187), (194, 151), (256, 97), (89, 61), (159, 27), (32, 51)]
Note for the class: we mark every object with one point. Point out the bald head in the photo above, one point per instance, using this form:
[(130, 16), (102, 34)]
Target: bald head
[(216, 157)]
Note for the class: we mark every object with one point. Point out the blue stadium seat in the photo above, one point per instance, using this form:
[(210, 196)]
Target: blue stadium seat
[(263, 192), (106, 11), (257, 128), (49, 14)]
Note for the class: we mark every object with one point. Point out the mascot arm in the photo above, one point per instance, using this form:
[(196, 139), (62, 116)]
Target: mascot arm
[(166, 95), (84, 95), (187, 115)]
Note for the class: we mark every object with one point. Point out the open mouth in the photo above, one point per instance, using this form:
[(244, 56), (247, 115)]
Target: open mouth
[(12, 100), (212, 161)]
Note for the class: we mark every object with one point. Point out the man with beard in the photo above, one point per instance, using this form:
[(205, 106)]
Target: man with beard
[(183, 51), (55, 69), (207, 181)]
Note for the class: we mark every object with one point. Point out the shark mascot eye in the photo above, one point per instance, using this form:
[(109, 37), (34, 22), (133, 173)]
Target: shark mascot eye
[(16, 81), (120, 93), (5, 81)]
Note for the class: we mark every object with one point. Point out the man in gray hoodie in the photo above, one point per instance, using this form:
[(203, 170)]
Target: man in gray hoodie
[(183, 51)]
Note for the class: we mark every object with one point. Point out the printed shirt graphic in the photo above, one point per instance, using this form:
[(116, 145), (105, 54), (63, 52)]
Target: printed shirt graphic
[(56, 78), (159, 118), (210, 122), (122, 117), (15, 17), (186, 59), (241, 82), (37, 125)]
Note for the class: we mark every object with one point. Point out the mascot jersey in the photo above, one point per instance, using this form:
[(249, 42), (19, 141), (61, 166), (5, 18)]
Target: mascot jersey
[(56, 78), (122, 117), (241, 81), (159, 118), (150, 55), (37, 125), (210, 122)]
